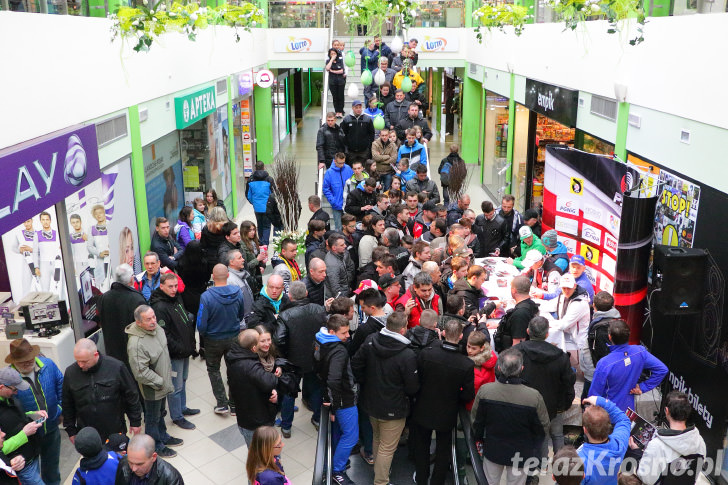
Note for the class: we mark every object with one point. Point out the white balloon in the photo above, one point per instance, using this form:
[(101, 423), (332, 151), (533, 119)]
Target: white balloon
[(397, 45), (353, 91), (379, 77)]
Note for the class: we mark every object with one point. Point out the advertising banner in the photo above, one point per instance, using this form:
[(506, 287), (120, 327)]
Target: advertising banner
[(42, 172), (163, 177), (557, 103), (221, 171), (583, 202), (312, 42)]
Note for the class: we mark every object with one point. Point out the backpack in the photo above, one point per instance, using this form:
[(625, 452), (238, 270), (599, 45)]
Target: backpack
[(445, 174), (502, 338), (598, 338)]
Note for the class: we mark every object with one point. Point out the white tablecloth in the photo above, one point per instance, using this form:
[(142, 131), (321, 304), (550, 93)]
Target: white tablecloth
[(58, 348)]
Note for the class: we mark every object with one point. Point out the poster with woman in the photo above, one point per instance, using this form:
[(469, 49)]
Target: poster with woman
[(163, 177)]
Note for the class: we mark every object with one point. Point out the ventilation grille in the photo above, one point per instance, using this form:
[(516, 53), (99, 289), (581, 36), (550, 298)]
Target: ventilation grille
[(111, 130), (222, 86), (473, 68), (603, 107), (635, 120)]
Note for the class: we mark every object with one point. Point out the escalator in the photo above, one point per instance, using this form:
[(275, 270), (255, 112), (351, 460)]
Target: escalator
[(467, 465)]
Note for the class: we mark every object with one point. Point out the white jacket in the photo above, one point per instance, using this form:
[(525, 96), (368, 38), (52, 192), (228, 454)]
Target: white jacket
[(570, 328), (664, 448)]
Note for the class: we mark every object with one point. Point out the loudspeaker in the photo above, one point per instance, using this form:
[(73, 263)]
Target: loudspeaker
[(682, 273)]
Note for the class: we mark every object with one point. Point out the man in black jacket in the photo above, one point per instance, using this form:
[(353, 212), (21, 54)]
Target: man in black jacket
[(19, 427), (329, 141), (179, 327), (493, 231), (116, 311), (358, 134), (360, 202), (410, 121), (314, 205), (148, 468), (231, 231), (315, 281), (372, 303), (164, 245), (268, 306), (446, 383), (387, 371), (252, 389), (298, 323), (546, 368), (425, 334)]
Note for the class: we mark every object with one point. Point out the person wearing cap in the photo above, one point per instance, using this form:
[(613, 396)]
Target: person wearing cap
[(424, 218), (529, 241), (535, 268), (142, 465), (19, 427), (577, 269), (358, 133), (117, 443), (571, 316), (298, 323), (98, 465), (44, 393), (556, 252), (390, 285)]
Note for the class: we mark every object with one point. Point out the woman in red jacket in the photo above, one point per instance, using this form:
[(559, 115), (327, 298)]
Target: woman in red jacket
[(484, 359)]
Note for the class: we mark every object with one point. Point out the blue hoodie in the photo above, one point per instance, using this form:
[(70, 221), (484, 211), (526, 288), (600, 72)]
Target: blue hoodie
[(602, 461), (334, 182), (373, 112), (221, 311), (415, 153), (324, 337), (562, 263), (406, 176), (614, 376)]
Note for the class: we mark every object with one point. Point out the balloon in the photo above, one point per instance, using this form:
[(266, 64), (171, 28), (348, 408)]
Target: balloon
[(353, 91), (379, 77), (406, 84), (396, 45), (378, 122), (350, 59), (366, 77)]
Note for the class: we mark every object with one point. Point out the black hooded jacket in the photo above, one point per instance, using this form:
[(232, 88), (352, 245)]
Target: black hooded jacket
[(386, 368), (471, 296), (371, 325), (421, 337), (178, 324), (250, 388), (329, 142), (298, 323)]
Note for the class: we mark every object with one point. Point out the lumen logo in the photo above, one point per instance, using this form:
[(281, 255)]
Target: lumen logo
[(434, 44), (298, 45)]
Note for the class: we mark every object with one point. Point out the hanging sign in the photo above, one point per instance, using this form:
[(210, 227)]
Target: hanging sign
[(245, 83), (191, 108), (557, 103), (247, 146), (264, 78)]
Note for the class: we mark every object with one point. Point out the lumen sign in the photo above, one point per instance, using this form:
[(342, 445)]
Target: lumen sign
[(42, 172), (191, 108)]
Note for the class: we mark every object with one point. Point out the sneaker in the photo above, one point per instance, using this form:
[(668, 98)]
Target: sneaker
[(184, 424), (232, 411), (172, 442), (278, 422), (340, 478), (286, 433), (367, 457), (222, 410), (166, 453), (315, 424), (190, 412)]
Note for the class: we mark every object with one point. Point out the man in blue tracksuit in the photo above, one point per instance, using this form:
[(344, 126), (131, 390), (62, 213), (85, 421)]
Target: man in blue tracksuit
[(616, 376), (45, 394), (333, 366), (335, 180), (259, 188), (413, 151), (556, 252), (603, 453)]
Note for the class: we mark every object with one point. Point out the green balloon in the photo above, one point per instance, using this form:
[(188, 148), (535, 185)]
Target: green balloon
[(350, 59), (378, 122), (366, 77), (406, 84)]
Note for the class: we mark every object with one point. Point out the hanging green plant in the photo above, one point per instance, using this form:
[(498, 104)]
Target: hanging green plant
[(374, 13), (146, 23), (492, 16), (573, 12)]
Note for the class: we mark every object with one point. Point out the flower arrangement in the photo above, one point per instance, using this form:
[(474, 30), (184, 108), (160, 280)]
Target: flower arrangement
[(373, 13), (298, 236), (572, 12), (498, 16), (147, 22)]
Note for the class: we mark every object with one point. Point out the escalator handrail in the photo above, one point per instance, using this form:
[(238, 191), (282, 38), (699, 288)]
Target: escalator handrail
[(472, 448), (322, 463)]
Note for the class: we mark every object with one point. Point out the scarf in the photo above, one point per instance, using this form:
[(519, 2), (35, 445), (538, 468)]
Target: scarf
[(268, 361), (276, 303), (292, 268)]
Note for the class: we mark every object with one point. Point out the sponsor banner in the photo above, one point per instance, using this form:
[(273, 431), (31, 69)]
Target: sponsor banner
[(567, 205), (609, 265), (566, 225), (440, 43), (312, 42), (591, 254), (591, 234), (593, 213), (569, 243), (610, 243)]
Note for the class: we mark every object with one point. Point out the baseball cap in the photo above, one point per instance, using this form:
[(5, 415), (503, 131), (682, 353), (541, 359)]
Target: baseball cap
[(430, 205), (117, 442), (567, 281), (533, 256), (9, 377), (525, 232), (578, 259), (387, 280), (365, 285), (549, 239), (356, 102)]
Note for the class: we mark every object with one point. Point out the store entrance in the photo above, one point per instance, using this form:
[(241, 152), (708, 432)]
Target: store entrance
[(543, 131)]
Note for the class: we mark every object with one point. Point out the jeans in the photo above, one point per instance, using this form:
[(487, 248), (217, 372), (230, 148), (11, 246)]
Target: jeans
[(366, 434), (421, 438), (178, 399), (494, 471), (386, 179), (214, 352), (310, 392), (556, 431), (385, 441), (445, 195), (30, 474), (50, 454), (263, 223), (247, 435), (154, 422), (345, 434), (337, 218)]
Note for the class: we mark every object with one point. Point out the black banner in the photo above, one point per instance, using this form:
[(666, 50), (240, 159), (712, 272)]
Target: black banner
[(557, 103)]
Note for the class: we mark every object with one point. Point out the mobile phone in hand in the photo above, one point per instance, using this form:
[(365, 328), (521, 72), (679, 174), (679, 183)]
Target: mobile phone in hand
[(40, 420)]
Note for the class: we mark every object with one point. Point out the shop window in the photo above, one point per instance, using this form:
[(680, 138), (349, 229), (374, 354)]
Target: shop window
[(548, 132), (496, 144)]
